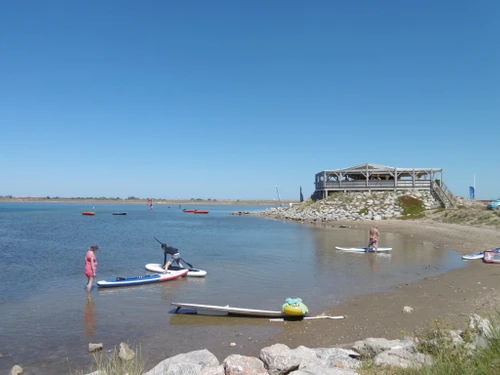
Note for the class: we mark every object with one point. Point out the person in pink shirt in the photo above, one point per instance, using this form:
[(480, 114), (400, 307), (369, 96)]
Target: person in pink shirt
[(91, 265)]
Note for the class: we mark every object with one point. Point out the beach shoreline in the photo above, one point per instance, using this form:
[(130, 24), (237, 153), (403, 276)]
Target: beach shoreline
[(450, 297)]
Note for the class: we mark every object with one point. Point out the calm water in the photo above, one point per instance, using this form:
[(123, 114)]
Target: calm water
[(48, 319)]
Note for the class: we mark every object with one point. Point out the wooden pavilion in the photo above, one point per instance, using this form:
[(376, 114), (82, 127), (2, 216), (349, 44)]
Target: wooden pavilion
[(375, 177)]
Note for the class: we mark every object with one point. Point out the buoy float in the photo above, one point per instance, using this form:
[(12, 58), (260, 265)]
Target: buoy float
[(294, 307)]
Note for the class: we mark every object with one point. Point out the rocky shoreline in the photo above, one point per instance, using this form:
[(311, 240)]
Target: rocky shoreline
[(280, 359), (354, 206)]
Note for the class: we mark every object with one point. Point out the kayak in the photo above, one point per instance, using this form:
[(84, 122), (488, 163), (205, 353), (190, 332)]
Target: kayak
[(479, 255), (193, 272), (363, 249), (145, 279)]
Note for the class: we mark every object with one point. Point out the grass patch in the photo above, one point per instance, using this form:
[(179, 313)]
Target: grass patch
[(363, 211), (449, 356), (112, 364), (411, 206)]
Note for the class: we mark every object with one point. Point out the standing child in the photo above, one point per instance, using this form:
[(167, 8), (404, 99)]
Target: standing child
[(91, 265)]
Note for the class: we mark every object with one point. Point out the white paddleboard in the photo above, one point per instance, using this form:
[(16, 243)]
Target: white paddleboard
[(193, 272), (363, 249), (479, 255), (227, 310)]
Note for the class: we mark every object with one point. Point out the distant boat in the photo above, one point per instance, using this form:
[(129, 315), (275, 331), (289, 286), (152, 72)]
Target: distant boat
[(190, 210), (119, 213), (201, 211), (88, 213)]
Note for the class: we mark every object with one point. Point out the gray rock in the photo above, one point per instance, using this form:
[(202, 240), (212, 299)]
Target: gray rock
[(279, 359), (125, 353), (16, 370), (337, 357), (236, 364), (374, 346), (219, 370), (402, 358), (94, 347), (323, 371), (192, 363)]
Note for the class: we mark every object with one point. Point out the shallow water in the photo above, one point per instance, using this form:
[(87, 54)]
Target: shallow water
[(48, 319)]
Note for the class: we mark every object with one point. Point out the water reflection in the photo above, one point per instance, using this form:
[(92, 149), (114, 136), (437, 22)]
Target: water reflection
[(89, 316), (373, 263)]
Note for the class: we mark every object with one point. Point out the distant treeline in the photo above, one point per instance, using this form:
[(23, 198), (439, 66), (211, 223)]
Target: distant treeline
[(131, 198)]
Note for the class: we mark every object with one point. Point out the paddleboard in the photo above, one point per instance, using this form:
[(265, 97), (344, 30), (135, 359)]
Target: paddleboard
[(228, 310), (193, 272), (145, 279), (479, 255), (363, 249)]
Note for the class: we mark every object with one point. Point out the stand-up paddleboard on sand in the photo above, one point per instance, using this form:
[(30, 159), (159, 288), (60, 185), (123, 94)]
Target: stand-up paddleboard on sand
[(275, 315), (480, 254), (363, 249), (145, 279), (193, 272), (201, 309)]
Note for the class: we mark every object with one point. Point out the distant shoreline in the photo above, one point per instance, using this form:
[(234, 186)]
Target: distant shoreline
[(145, 201)]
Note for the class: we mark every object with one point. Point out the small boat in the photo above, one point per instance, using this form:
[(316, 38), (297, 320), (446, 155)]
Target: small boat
[(145, 279), (190, 210), (119, 213), (88, 213), (201, 211), (491, 257)]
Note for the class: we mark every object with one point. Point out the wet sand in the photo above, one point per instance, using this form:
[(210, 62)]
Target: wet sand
[(451, 297)]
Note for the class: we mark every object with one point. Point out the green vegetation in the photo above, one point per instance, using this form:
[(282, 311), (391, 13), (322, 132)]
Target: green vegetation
[(449, 357), (363, 211), (112, 364), (302, 206), (411, 206), (476, 215)]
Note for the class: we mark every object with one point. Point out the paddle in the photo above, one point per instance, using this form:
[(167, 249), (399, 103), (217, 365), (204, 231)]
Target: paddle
[(189, 264)]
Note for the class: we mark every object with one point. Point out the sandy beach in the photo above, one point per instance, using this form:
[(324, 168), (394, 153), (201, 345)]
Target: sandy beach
[(451, 297)]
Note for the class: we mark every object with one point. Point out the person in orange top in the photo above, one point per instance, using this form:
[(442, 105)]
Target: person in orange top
[(91, 265)]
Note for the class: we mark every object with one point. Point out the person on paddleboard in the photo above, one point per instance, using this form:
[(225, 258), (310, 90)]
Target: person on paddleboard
[(176, 257), (91, 265), (373, 243)]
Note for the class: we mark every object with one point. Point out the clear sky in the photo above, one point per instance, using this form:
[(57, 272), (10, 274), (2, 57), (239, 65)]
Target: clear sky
[(227, 99)]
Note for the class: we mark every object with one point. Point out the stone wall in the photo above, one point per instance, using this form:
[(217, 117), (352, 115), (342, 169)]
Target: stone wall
[(354, 206)]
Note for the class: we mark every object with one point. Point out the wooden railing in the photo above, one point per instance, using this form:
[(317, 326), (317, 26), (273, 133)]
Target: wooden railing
[(443, 194), (373, 184)]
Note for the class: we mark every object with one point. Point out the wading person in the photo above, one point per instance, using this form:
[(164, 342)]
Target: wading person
[(91, 265)]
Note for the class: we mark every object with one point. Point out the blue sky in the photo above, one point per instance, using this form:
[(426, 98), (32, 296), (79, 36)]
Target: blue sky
[(227, 99)]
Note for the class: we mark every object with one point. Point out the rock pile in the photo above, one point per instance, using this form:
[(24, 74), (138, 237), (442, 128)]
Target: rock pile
[(279, 359), (354, 206)]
